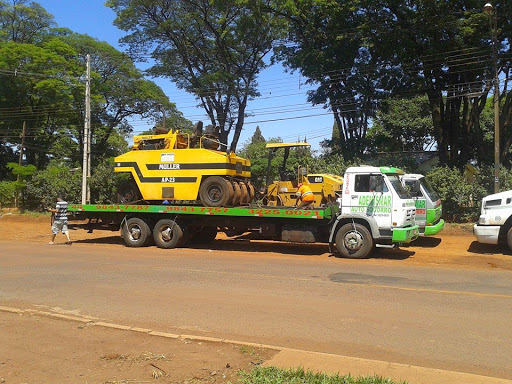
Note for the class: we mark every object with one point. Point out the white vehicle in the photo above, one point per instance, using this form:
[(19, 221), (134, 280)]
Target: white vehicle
[(428, 205), (374, 198), (495, 223)]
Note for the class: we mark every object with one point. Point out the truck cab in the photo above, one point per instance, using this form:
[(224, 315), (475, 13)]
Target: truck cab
[(495, 223), (428, 205), (375, 198)]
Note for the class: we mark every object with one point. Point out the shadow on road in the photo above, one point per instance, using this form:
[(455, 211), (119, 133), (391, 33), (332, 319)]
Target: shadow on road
[(102, 240), (425, 242), (391, 254), (263, 246), (488, 249)]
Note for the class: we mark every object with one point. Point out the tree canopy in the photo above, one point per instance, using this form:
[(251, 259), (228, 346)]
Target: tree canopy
[(212, 49)]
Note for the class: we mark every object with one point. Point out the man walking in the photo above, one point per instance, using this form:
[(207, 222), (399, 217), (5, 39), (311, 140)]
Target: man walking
[(60, 222)]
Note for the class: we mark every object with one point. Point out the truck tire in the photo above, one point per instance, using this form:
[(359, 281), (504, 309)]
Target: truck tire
[(216, 192), (509, 238), (135, 232), (167, 234), (354, 241)]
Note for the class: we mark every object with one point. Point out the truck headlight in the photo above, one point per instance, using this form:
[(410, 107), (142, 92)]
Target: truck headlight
[(481, 220)]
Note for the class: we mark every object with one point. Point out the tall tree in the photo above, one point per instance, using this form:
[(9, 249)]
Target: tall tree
[(329, 50), (42, 85), (23, 22), (213, 49)]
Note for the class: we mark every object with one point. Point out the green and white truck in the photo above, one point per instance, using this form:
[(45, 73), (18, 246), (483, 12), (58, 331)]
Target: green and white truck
[(428, 205), (375, 210)]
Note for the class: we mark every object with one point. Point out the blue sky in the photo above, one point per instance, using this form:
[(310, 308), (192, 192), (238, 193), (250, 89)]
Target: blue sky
[(282, 109)]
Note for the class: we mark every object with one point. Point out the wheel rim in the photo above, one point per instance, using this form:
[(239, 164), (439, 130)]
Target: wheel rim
[(353, 240), (215, 193), (166, 233), (135, 232)]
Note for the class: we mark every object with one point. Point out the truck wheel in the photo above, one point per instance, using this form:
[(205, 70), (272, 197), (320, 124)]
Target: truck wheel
[(167, 234), (135, 232), (205, 235), (215, 192), (354, 241), (509, 238)]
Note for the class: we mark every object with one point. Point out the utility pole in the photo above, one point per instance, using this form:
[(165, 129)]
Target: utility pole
[(493, 18), (87, 136), (20, 161)]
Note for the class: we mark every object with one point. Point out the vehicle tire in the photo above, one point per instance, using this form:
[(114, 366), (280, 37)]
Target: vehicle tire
[(354, 241), (205, 235), (135, 232), (244, 199), (128, 192), (252, 191), (237, 194), (509, 238), (215, 192), (167, 234)]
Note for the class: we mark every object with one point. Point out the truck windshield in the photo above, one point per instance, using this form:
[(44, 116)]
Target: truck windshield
[(398, 187), (428, 190)]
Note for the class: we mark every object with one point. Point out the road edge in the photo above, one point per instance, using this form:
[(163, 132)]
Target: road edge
[(292, 358)]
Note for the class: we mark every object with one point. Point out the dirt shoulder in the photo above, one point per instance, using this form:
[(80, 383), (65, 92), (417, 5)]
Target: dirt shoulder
[(455, 247), (37, 349)]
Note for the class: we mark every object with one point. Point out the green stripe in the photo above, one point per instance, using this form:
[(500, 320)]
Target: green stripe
[(290, 213)]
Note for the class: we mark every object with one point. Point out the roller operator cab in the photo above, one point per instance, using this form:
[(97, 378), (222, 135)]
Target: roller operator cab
[(428, 204), (176, 167), (326, 188), (376, 198), (495, 222)]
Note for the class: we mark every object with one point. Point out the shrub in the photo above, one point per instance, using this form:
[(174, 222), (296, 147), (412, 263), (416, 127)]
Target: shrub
[(50, 183), (7, 193)]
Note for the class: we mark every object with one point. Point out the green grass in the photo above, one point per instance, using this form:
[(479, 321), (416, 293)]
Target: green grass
[(272, 375)]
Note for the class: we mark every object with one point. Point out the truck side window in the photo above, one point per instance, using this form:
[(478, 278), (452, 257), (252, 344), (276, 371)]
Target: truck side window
[(362, 183)]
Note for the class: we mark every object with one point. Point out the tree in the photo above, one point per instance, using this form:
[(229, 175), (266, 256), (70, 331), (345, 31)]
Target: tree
[(212, 49), (22, 22), (257, 136), (444, 53), (329, 51), (402, 125), (42, 85)]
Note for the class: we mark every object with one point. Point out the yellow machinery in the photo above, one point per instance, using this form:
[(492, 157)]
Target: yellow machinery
[(184, 168), (326, 187)]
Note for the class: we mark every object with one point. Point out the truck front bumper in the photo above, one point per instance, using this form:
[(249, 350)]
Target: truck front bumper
[(434, 229), (405, 235), (486, 234)]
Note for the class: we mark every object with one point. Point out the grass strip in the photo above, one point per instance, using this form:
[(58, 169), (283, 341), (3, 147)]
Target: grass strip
[(273, 375)]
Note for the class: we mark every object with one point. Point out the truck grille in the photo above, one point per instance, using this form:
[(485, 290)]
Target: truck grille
[(410, 214)]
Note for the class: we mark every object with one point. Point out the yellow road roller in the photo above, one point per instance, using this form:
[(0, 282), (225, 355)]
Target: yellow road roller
[(325, 187), (181, 168)]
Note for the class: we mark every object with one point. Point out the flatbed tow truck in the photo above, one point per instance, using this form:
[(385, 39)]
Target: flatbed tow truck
[(375, 211)]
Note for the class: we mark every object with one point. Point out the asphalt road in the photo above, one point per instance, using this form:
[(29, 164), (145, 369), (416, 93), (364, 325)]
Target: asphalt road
[(428, 316)]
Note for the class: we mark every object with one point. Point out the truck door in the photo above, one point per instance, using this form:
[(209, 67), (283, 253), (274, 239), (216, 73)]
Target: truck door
[(414, 186), (372, 197)]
